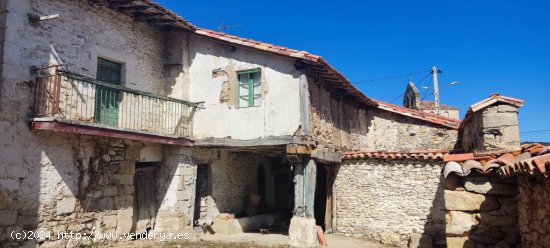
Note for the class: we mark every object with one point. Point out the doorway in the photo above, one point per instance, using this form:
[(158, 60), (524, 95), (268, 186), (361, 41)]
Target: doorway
[(323, 204), (108, 98), (145, 208), (201, 193)]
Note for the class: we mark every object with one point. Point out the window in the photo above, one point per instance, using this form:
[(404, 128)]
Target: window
[(109, 71), (249, 93)]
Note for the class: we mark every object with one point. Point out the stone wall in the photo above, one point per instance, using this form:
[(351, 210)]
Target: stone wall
[(481, 211), (390, 200), (76, 183), (232, 177), (341, 122), (533, 207), (175, 190), (494, 127)]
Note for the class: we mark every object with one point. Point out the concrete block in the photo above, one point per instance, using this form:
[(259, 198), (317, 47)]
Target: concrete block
[(66, 206), (124, 220), (494, 120), (302, 232), (8, 217)]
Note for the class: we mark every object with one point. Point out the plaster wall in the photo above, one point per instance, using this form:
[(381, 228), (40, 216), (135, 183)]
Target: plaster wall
[(213, 76)]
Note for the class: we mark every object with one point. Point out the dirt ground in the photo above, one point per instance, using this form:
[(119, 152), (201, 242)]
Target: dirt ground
[(248, 240)]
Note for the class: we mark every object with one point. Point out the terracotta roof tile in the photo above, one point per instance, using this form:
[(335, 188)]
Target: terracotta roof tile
[(383, 154), (532, 158), (417, 114)]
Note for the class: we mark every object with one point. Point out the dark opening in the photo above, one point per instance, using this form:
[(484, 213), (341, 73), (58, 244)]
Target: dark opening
[(320, 196), (201, 193)]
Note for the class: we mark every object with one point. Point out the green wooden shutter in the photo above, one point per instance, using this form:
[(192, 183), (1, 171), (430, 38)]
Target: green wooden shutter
[(107, 99)]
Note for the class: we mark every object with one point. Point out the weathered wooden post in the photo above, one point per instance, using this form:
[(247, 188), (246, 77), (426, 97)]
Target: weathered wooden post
[(302, 230)]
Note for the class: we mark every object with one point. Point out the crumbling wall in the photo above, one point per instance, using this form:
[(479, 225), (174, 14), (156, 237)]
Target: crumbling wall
[(533, 207), (213, 75), (341, 122), (481, 211), (80, 184), (176, 178), (390, 200), (53, 181)]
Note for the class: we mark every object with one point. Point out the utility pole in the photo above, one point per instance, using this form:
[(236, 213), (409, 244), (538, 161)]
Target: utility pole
[(436, 90)]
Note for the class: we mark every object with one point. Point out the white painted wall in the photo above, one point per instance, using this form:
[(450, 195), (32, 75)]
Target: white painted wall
[(279, 113)]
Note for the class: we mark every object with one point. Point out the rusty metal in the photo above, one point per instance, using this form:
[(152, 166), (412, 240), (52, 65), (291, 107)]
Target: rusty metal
[(76, 98)]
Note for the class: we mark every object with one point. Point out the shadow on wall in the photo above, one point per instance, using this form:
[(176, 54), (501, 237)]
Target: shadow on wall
[(480, 211), (434, 227)]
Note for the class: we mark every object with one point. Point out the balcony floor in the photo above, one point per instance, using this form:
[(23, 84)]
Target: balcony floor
[(94, 129)]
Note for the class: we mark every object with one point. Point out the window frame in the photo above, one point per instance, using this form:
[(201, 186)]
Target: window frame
[(250, 73)]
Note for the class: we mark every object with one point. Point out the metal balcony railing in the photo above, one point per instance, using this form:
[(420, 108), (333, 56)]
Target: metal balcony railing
[(76, 98)]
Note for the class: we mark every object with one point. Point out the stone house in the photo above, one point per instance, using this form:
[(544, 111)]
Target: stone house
[(120, 116)]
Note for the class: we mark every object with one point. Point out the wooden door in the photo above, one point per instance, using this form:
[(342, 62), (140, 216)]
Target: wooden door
[(108, 99), (145, 198)]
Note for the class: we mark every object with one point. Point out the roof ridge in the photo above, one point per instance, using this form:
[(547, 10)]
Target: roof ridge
[(418, 114)]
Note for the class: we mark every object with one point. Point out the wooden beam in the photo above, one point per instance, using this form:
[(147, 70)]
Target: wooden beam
[(132, 9), (107, 132)]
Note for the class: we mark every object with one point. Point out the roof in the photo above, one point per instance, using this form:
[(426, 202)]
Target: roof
[(430, 105), (335, 78), (417, 114), (151, 12), (531, 159), (384, 154), (494, 98), (331, 75)]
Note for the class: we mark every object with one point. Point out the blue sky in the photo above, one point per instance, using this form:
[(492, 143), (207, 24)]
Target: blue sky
[(489, 46)]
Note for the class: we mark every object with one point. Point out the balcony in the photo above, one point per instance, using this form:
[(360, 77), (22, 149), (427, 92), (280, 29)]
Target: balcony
[(68, 102)]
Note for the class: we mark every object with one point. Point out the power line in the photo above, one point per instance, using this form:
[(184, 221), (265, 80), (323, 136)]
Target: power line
[(426, 91), (404, 92), (390, 77)]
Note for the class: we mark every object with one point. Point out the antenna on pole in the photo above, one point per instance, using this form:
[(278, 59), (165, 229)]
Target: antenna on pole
[(222, 27), (436, 90)]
